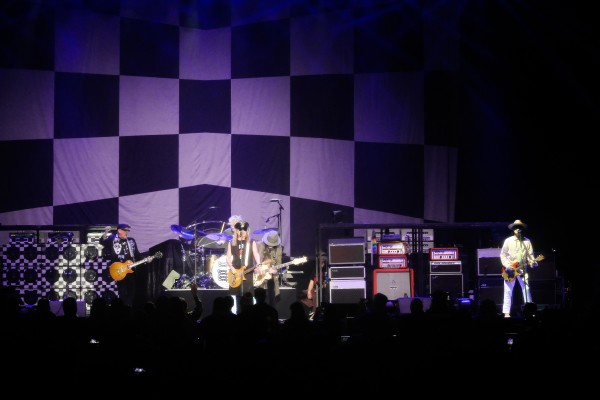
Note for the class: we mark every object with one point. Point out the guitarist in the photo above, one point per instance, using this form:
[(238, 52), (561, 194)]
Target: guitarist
[(122, 248), (516, 249), (270, 249), (242, 252)]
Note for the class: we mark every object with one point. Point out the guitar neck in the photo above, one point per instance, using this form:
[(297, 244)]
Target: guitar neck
[(247, 271), (283, 265), (135, 264)]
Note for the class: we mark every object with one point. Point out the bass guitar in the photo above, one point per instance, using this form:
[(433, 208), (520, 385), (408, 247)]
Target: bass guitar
[(264, 274), (511, 273), (119, 270), (235, 279)]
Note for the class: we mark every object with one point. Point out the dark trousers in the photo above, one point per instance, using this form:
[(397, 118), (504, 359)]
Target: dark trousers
[(126, 289)]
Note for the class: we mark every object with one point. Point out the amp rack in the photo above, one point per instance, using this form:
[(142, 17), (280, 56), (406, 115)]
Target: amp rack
[(397, 262), (444, 254), (392, 248)]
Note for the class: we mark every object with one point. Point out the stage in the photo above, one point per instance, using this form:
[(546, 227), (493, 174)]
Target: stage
[(207, 296)]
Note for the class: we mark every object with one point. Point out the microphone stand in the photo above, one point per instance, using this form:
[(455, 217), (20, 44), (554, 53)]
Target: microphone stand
[(279, 227)]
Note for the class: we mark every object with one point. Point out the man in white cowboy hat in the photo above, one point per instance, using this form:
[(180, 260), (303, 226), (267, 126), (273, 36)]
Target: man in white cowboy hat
[(516, 249), (270, 249)]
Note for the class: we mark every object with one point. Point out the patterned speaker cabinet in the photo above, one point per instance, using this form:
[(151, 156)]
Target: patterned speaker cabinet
[(96, 274), (44, 270), (21, 269)]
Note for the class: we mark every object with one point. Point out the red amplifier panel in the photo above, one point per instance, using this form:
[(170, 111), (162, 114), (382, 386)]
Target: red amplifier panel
[(393, 262), (392, 248), (444, 254)]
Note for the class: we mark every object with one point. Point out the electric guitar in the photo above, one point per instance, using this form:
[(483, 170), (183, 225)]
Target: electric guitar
[(119, 270), (511, 273), (235, 279), (265, 275)]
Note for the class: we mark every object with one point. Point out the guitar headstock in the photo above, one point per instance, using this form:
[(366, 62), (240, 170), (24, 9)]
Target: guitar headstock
[(158, 254), (297, 261), (540, 258)]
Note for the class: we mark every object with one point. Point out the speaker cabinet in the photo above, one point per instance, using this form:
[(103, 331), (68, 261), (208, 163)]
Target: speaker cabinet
[(488, 262), (491, 288), (347, 291), (347, 251), (544, 292), (394, 283), (445, 267), (546, 269), (352, 272), (404, 304), (448, 283)]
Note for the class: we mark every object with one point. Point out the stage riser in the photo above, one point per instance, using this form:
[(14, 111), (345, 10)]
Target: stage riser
[(286, 297), (542, 291)]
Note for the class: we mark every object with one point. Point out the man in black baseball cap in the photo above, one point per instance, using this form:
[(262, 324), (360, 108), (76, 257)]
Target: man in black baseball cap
[(122, 248)]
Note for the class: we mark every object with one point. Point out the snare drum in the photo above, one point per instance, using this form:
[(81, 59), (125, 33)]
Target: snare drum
[(219, 272)]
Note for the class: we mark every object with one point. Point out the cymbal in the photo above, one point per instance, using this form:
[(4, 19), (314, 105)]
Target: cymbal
[(219, 236), (208, 243), (186, 233), (263, 231)]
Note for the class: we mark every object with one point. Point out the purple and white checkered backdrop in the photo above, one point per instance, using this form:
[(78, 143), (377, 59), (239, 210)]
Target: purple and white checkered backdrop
[(149, 112)]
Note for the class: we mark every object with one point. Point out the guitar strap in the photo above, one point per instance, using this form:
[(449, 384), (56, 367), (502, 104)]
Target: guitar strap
[(129, 242), (247, 253)]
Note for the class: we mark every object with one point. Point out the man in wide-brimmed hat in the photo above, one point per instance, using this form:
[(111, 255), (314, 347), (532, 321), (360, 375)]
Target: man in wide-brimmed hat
[(270, 249), (516, 252)]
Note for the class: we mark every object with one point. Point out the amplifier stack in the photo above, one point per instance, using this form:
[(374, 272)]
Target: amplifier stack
[(56, 266), (394, 279), (347, 270), (445, 271)]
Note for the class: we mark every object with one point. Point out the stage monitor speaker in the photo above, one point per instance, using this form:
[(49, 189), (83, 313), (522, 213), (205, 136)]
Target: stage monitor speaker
[(491, 288), (404, 304), (448, 283), (347, 291), (347, 251), (394, 283)]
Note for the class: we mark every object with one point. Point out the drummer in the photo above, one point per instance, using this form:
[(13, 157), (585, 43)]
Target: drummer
[(234, 219)]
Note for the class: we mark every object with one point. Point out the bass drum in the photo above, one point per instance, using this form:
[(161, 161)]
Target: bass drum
[(219, 271), (209, 262)]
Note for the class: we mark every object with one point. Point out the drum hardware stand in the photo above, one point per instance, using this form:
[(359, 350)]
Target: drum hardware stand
[(193, 225)]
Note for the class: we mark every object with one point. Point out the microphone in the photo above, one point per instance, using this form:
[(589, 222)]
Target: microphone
[(274, 200), (268, 219), (213, 208)]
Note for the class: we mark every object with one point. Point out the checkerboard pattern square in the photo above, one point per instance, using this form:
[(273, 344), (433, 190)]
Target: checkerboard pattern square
[(151, 112)]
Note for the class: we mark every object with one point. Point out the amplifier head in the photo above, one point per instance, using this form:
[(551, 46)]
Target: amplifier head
[(347, 251)]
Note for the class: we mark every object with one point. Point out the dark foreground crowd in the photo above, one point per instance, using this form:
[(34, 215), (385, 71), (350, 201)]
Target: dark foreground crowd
[(167, 344)]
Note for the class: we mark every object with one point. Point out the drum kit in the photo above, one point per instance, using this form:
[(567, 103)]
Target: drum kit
[(207, 250)]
